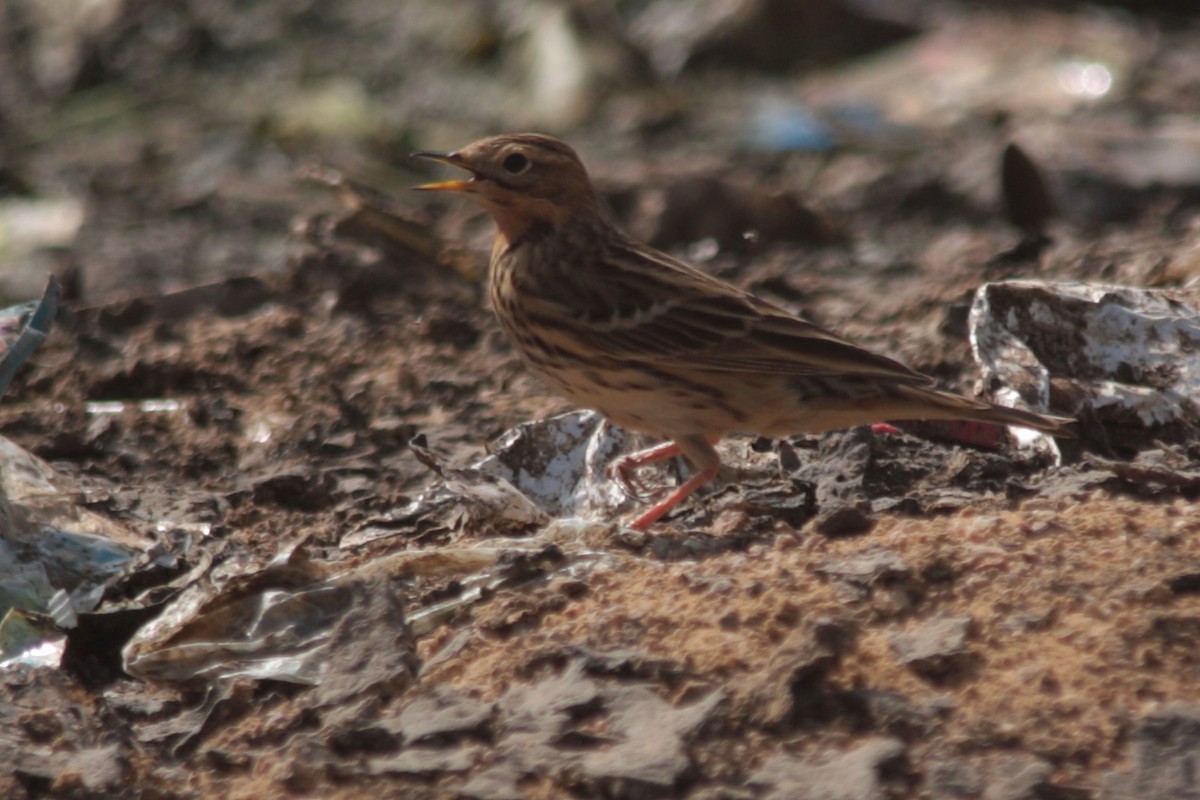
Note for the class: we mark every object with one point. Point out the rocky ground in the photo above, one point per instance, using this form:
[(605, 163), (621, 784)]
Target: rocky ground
[(275, 370)]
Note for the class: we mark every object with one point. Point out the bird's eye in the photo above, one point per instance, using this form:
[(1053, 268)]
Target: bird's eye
[(515, 164)]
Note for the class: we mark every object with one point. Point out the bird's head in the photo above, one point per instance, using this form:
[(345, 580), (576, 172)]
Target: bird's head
[(521, 179)]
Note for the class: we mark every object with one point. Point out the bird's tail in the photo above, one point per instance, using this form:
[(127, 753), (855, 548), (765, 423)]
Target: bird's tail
[(953, 406)]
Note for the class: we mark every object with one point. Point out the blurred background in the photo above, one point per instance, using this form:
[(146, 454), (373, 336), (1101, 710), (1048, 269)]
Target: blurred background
[(148, 144)]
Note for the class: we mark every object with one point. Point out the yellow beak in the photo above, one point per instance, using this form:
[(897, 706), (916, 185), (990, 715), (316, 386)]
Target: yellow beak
[(454, 160)]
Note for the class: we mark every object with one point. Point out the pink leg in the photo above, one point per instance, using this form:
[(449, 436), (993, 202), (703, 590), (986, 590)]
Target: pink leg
[(699, 452), (623, 468), (655, 512)]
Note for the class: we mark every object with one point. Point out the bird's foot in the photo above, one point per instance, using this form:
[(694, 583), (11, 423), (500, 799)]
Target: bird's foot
[(624, 469), (624, 472)]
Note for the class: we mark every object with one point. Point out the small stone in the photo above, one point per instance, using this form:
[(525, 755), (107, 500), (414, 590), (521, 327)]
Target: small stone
[(426, 761), (851, 775), (649, 735), (100, 768), (41, 725), (866, 567), (1019, 778), (440, 713), (792, 689), (889, 712), (1166, 755), (1028, 203), (497, 782), (843, 520), (935, 648), (952, 780)]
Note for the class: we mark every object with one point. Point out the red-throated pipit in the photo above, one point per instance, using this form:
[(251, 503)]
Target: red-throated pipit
[(658, 346)]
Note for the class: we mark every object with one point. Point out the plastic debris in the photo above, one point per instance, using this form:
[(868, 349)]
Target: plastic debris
[(37, 505), (292, 620), (561, 463), (549, 477), (56, 558), (49, 574), (502, 567), (30, 639), (23, 328), (548, 468), (464, 498), (1127, 356), (157, 406)]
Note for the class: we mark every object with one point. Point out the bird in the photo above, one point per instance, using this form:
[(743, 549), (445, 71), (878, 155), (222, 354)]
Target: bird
[(658, 346)]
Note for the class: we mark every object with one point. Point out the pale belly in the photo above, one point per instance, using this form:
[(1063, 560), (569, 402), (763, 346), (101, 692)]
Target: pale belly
[(635, 400), (718, 404)]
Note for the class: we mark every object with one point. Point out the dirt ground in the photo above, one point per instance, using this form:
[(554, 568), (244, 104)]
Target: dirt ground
[(260, 355)]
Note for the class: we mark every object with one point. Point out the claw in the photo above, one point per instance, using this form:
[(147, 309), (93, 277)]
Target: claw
[(700, 453), (624, 472)]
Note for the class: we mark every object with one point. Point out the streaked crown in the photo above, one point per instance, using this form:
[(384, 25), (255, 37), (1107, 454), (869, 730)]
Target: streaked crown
[(528, 165)]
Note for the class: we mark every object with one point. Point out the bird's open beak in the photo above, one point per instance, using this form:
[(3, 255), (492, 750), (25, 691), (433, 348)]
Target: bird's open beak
[(454, 160)]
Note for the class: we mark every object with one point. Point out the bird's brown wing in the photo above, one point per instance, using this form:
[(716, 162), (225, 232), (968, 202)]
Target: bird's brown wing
[(640, 305)]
